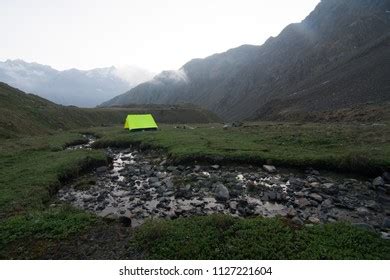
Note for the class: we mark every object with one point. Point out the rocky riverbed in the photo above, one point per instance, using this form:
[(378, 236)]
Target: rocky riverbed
[(140, 185)]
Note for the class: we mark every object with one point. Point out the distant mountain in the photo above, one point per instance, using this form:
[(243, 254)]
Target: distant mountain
[(336, 58), (71, 87)]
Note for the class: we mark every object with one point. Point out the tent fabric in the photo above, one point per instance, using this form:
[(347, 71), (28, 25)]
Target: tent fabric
[(139, 122)]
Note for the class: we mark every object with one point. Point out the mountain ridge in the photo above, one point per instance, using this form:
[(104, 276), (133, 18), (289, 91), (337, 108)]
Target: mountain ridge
[(243, 82), (84, 88)]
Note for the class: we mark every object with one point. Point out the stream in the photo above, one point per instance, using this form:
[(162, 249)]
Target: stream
[(141, 185)]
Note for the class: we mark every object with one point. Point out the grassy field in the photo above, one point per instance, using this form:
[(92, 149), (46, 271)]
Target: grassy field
[(344, 147), (32, 169), (225, 237), (26, 114)]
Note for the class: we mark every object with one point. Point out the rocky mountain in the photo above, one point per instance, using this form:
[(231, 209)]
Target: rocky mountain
[(335, 58), (71, 87)]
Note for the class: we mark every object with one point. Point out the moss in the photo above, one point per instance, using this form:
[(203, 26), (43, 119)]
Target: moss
[(225, 237)]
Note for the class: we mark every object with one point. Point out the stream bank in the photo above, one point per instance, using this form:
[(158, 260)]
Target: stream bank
[(144, 184)]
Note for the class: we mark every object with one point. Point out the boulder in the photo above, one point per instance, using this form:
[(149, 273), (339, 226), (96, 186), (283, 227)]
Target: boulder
[(171, 168), (153, 180), (314, 220), (269, 168), (297, 221), (316, 197), (386, 223), (328, 185), (221, 192), (302, 202), (378, 182), (184, 192)]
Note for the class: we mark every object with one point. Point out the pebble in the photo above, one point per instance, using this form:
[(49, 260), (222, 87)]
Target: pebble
[(148, 187), (269, 168)]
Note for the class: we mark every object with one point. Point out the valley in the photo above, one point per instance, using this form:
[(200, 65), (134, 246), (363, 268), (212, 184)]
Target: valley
[(272, 151), (138, 192)]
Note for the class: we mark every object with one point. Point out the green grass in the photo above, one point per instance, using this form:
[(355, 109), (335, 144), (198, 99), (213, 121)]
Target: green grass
[(345, 147), (31, 170), (31, 173), (27, 114), (56, 223), (225, 237)]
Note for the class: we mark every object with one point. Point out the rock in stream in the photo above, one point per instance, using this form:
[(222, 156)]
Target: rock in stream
[(141, 185)]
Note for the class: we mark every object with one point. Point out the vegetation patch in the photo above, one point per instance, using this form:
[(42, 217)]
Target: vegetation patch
[(41, 227), (356, 148), (29, 178), (225, 237)]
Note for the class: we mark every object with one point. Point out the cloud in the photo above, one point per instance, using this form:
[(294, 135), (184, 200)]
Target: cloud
[(132, 74), (172, 76)]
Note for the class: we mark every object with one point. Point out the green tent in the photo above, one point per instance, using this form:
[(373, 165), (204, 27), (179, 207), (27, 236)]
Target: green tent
[(140, 122)]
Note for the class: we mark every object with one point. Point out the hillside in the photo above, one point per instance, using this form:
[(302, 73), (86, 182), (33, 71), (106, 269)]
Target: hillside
[(29, 114), (333, 59), (71, 87)]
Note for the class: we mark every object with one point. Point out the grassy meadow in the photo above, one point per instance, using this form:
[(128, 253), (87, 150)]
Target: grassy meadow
[(355, 148), (33, 168)]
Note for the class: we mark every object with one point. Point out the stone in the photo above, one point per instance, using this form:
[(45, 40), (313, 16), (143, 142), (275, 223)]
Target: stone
[(385, 235), (362, 210), (153, 180), (101, 169), (184, 192), (371, 204), (328, 185), (300, 194), (296, 182), (270, 196), (302, 202), (386, 223), (316, 197), (291, 212), (221, 192), (88, 198), (311, 179), (171, 168), (215, 166), (297, 221), (237, 124), (314, 220), (181, 167), (233, 205), (168, 182), (378, 182), (197, 168), (314, 184), (269, 168)]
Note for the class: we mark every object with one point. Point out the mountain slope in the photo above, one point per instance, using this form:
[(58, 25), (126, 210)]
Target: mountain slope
[(336, 58), (28, 114), (71, 87)]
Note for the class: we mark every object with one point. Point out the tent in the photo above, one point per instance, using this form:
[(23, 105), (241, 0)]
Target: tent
[(140, 122)]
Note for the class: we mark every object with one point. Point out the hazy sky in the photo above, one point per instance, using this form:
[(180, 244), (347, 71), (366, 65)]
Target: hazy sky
[(153, 34)]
